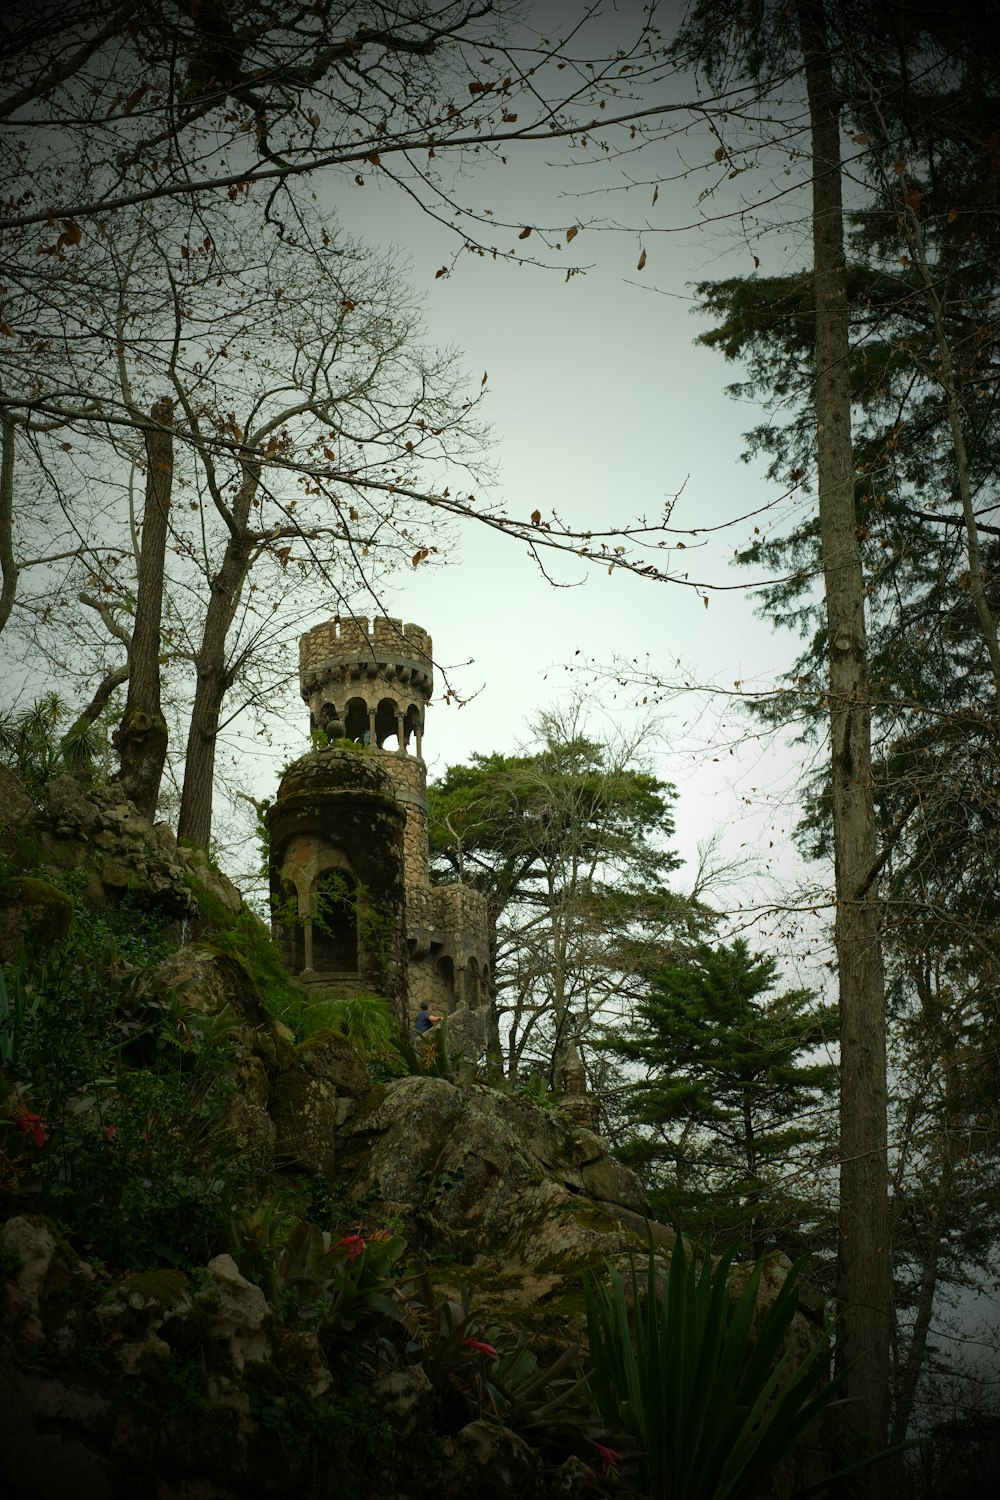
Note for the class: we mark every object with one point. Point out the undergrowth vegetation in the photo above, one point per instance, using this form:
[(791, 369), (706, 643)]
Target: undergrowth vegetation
[(119, 1121)]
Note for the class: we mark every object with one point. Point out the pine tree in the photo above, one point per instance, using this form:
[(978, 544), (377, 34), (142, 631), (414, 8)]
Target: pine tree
[(734, 1090)]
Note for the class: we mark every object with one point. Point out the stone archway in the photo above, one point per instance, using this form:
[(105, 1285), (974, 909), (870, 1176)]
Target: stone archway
[(334, 911)]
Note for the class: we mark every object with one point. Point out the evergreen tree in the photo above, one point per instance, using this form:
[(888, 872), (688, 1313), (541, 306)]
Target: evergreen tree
[(917, 92), (734, 1090), (569, 844)]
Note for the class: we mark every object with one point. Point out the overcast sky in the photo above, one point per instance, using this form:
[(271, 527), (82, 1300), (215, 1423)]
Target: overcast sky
[(602, 409)]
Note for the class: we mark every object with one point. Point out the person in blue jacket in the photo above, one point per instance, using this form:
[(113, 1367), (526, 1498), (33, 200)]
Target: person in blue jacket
[(424, 1020)]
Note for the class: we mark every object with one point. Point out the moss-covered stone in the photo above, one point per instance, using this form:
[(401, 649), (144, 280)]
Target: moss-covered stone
[(328, 1054), (166, 1288), (304, 1111), (34, 913)]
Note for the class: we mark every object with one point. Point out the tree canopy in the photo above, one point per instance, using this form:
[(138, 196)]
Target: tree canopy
[(568, 843), (735, 1086)]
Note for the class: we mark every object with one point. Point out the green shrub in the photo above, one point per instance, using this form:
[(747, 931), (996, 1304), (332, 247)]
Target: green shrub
[(123, 1112), (711, 1405)]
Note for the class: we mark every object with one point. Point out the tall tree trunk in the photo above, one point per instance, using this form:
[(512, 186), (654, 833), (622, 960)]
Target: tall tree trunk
[(141, 738), (8, 565), (214, 675), (864, 1280)]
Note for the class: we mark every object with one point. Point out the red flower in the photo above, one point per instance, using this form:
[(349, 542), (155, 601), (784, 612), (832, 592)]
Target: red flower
[(32, 1125), (486, 1350), (111, 1132), (608, 1458), (353, 1243)]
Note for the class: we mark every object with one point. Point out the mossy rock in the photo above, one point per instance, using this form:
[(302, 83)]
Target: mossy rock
[(166, 1288), (304, 1111), (33, 913), (328, 1054)]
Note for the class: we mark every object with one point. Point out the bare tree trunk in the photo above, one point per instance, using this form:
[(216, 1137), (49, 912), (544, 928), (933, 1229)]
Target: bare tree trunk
[(909, 1375), (214, 676), (8, 566), (141, 738), (864, 1274)]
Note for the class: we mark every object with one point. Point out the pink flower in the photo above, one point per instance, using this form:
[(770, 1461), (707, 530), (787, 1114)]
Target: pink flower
[(608, 1458), (486, 1350), (111, 1132), (352, 1243), (32, 1125)]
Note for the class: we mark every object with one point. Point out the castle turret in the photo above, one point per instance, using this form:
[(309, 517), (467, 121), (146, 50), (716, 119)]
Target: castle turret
[(370, 685)]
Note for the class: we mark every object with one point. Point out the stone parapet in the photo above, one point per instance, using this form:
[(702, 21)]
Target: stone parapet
[(460, 911), (355, 649)]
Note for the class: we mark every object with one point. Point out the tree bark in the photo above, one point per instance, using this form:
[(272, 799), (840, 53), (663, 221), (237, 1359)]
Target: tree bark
[(214, 675), (8, 565), (141, 738), (864, 1280)]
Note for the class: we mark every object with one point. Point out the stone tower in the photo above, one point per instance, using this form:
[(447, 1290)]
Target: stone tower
[(354, 908)]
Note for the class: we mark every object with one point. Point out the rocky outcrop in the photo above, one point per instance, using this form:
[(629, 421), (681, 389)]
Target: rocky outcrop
[(201, 1389), (32, 913), (99, 830), (312, 1096), (516, 1201)]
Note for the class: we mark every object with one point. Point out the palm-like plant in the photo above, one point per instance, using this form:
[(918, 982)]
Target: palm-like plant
[(31, 744), (712, 1403)]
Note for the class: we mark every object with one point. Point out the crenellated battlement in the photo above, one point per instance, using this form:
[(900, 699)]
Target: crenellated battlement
[(366, 643)]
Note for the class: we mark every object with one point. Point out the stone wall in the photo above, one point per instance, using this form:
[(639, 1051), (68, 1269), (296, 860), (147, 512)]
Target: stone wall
[(375, 680), (448, 933), (408, 774), (339, 641)]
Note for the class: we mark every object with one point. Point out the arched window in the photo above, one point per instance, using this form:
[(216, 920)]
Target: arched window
[(473, 988), (357, 719), (446, 969), (334, 923), (387, 725)]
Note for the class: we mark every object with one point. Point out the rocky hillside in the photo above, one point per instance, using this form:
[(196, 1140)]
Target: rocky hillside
[(241, 1259)]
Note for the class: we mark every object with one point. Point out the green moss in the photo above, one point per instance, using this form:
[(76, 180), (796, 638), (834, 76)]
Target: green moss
[(251, 947), (485, 1281), (211, 910), (45, 910), (583, 1211), (168, 1288), (373, 1100)]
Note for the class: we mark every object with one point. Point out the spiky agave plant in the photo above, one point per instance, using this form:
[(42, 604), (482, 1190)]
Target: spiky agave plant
[(712, 1404)]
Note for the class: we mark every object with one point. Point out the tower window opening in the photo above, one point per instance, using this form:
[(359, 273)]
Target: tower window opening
[(387, 725), (335, 923), (357, 720)]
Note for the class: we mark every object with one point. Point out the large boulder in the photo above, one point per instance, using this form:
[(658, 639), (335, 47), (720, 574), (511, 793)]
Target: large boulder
[(313, 1094), (97, 829), (514, 1200)]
